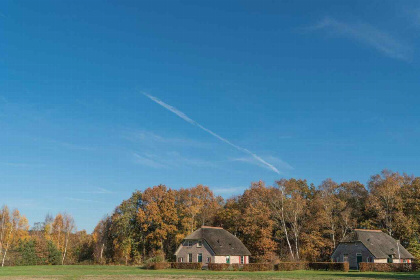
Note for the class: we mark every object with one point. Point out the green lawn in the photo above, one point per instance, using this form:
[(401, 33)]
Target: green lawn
[(96, 272)]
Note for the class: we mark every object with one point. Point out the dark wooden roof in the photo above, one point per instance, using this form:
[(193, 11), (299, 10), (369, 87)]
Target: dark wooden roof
[(221, 241), (380, 244)]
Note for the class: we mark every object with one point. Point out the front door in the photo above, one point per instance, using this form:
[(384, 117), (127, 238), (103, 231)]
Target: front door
[(358, 259)]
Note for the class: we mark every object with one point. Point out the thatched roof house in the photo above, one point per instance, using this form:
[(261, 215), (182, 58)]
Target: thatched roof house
[(212, 244), (364, 245)]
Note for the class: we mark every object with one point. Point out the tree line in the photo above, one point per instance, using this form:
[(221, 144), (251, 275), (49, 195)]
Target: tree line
[(52, 242), (291, 220)]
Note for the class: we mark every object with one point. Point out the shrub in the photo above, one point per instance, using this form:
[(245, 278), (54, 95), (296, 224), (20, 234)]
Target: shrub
[(54, 255), (388, 267), (257, 267), (224, 267), (158, 265), (289, 266), (179, 265), (218, 266), (155, 259), (27, 253), (338, 266)]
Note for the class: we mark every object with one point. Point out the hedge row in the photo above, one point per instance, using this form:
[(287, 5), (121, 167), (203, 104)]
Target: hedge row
[(388, 267), (242, 267), (258, 267), (159, 265), (285, 266), (338, 266), (224, 267), (179, 265), (289, 266), (165, 265)]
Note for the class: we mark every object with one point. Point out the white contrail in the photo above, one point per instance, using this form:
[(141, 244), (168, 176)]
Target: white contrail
[(193, 122)]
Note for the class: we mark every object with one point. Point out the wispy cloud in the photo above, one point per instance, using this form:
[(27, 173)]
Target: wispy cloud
[(21, 164), (98, 191), (278, 162), (368, 35), (168, 160), (153, 138), (82, 200), (191, 121), (147, 160), (228, 190)]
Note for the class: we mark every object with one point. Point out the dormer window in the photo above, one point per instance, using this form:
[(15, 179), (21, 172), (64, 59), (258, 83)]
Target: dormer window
[(189, 243), (199, 244)]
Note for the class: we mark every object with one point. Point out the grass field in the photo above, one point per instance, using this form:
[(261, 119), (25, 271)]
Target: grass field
[(96, 272)]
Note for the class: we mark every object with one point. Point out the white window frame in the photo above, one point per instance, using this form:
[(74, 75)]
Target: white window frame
[(181, 259), (208, 259), (189, 243), (190, 260), (242, 259), (199, 244), (198, 255)]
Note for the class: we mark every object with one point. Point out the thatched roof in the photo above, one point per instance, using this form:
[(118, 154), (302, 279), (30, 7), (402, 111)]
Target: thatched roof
[(380, 244), (220, 241)]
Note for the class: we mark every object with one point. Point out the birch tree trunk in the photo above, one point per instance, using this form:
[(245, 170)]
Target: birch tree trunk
[(102, 251), (7, 246), (65, 247), (283, 222)]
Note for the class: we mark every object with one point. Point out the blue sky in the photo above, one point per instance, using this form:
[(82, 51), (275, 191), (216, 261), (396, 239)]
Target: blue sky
[(99, 98)]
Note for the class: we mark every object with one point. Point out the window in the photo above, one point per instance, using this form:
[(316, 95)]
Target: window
[(190, 257), (190, 243), (227, 259), (389, 260), (242, 260), (199, 244), (199, 257), (208, 259), (345, 258), (180, 259)]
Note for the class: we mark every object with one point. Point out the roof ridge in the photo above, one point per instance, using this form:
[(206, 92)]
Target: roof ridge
[(373, 230), (211, 227)]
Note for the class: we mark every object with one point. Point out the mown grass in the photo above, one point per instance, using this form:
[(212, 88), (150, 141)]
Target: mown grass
[(123, 272)]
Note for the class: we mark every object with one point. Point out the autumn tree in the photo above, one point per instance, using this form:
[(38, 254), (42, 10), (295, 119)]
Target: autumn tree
[(68, 227), (123, 231), (332, 207), (289, 202), (100, 237), (16, 229), (57, 231), (354, 195), (4, 226), (255, 223), (385, 201), (196, 206), (158, 217)]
